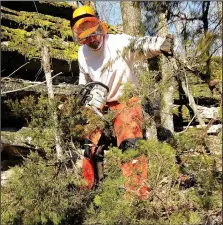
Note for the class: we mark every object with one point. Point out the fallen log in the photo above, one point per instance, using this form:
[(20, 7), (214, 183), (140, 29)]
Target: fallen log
[(208, 112), (16, 145), (213, 129), (9, 85), (57, 9)]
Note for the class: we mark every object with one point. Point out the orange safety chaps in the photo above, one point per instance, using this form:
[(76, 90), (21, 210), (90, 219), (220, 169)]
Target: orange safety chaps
[(127, 125)]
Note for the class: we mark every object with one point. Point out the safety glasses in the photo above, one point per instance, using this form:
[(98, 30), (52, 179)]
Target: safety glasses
[(87, 40)]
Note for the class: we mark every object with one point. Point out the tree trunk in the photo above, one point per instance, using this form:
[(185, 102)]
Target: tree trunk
[(205, 10), (131, 18), (46, 67), (92, 4), (192, 103), (219, 6), (75, 5), (132, 25), (167, 75)]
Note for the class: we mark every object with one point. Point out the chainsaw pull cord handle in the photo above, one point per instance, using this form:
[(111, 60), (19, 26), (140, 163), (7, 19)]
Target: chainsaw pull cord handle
[(97, 82), (84, 92)]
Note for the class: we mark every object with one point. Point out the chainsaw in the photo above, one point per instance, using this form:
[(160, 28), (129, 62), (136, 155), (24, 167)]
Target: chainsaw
[(94, 95)]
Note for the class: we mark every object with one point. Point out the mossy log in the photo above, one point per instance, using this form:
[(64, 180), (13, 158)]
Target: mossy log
[(208, 112), (24, 42), (30, 21), (18, 139), (18, 66), (59, 9), (21, 24), (10, 85), (19, 32), (205, 112), (15, 146), (213, 129)]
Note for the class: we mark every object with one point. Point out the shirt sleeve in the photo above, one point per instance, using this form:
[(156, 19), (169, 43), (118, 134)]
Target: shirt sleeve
[(142, 48)]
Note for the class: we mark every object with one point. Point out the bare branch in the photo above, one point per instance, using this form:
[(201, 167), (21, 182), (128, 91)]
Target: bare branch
[(45, 55), (33, 85), (16, 70)]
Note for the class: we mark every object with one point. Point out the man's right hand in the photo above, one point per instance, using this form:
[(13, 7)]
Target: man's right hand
[(167, 46)]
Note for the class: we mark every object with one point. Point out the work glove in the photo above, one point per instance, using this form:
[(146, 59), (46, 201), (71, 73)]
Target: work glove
[(167, 46)]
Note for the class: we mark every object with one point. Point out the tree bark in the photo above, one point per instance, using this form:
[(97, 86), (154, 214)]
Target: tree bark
[(75, 5), (192, 103), (46, 67), (205, 10), (131, 18), (167, 75), (92, 4), (10, 85), (219, 7), (132, 25)]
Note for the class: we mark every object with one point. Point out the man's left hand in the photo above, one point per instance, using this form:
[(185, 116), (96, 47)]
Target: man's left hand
[(167, 46)]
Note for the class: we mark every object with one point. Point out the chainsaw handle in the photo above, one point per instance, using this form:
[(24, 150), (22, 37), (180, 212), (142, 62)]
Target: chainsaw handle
[(97, 82)]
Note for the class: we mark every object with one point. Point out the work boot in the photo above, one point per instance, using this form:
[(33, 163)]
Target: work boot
[(135, 174)]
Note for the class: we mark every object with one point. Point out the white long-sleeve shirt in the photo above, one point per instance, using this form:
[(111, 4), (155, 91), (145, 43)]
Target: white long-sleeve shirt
[(113, 63)]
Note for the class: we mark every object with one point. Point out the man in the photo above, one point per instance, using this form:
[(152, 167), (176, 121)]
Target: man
[(109, 59)]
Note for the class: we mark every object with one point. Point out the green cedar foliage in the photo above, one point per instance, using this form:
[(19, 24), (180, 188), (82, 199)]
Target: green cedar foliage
[(42, 192), (167, 204)]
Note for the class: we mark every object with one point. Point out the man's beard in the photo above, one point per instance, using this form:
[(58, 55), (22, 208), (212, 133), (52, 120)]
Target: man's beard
[(96, 45)]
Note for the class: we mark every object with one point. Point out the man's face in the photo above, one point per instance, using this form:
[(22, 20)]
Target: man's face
[(94, 42), (90, 33)]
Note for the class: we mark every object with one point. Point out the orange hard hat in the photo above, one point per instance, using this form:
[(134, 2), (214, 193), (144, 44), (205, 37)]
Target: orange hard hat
[(85, 23)]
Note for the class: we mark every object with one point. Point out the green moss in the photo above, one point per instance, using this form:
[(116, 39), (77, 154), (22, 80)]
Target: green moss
[(57, 33), (17, 41), (184, 112), (24, 42), (189, 139), (200, 90), (111, 29), (178, 218), (69, 53), (216, 67), (56, 25), (57, 4)]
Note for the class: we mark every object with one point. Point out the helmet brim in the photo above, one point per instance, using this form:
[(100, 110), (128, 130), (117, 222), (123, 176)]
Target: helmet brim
[(98, 27)]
